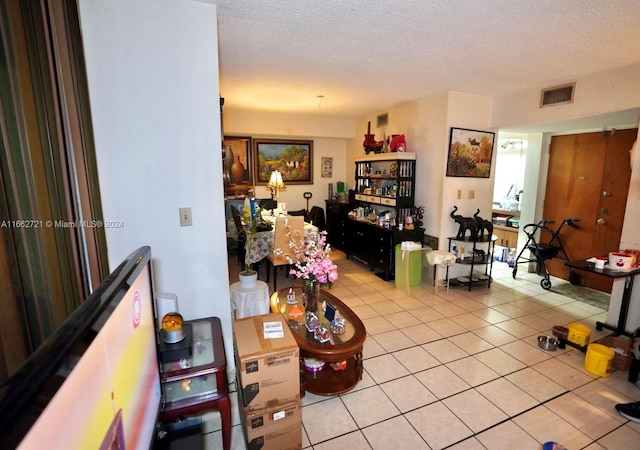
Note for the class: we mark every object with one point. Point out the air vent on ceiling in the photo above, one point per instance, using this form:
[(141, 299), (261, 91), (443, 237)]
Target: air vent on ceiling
[(557, 95)]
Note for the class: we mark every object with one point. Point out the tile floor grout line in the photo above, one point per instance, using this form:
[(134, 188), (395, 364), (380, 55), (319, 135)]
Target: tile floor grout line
[(508, 292)]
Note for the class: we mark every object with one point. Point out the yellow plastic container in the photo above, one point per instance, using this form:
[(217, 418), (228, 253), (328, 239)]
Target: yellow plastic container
[(599, 360), (579, 334)]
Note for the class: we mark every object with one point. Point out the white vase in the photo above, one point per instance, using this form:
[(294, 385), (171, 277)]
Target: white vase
[(249, 279)]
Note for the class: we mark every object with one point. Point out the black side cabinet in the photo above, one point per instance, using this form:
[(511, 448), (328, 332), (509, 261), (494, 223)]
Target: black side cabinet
[(375, 246), (337, 223)]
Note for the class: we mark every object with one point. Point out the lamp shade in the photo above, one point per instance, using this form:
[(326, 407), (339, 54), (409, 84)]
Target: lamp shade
[(276, 180), (275, 183)]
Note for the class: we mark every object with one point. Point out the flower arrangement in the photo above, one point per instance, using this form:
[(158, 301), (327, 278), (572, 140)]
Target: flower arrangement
[(311, 259)]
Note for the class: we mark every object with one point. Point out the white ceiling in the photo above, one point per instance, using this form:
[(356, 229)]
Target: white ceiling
[(367, 56)]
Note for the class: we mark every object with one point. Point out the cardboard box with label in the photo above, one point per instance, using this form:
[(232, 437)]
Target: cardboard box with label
[(277, 429), (268, 368)]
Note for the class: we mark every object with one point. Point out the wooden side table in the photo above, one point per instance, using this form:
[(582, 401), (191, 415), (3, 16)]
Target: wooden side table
[(203, 384)]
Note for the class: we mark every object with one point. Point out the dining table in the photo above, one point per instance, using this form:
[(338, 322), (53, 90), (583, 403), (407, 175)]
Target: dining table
[(262, 241)]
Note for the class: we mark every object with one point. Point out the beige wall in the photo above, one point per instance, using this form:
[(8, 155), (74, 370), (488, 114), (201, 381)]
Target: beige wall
[(329, 136)]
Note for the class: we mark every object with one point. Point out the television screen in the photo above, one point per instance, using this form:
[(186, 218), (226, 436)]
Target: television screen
[(95, 383)]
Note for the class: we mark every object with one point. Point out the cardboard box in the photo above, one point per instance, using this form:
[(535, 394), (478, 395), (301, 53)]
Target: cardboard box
[(277, 429), (268, 370)]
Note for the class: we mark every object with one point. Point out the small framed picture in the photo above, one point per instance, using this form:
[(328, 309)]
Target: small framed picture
[(330, 312), (326, 163)]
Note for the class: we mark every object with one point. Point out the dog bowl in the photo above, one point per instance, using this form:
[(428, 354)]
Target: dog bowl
[(547, 343), (560, 332)]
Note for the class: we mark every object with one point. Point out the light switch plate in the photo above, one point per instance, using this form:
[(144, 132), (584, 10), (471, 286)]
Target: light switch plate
[(185, 217)]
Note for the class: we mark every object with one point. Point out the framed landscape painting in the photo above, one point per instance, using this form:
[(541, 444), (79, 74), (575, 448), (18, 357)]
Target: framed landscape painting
[(294, 160), (470, 153)]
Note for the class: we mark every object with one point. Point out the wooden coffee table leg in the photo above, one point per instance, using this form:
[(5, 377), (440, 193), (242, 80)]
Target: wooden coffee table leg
[(359, 367)]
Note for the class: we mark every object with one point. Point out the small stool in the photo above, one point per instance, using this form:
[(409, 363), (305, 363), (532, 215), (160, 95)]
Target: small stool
[(441, 259)]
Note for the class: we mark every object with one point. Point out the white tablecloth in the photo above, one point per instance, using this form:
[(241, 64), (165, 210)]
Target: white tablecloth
[(249, 301)]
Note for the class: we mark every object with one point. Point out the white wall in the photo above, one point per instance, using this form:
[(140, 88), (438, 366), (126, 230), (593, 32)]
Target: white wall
[(473, 112), (432, 164), (152, 69), (617, 90), (280, 125)]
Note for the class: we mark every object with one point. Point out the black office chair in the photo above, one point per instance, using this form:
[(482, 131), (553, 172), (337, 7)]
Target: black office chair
[(298, 212), (316, 217), (267, 203)]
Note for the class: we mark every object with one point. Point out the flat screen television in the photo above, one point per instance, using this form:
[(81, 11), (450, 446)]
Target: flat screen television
[(95, 382)]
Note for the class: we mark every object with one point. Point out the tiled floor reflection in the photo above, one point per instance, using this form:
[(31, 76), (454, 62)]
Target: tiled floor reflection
[(461, 370)]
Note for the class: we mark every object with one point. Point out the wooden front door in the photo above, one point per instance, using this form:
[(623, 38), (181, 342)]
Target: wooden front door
[(588, 179)]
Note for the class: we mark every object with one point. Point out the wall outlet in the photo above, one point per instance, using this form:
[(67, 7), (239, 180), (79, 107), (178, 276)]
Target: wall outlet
[(185, 217), (472, 194), (459, 194)]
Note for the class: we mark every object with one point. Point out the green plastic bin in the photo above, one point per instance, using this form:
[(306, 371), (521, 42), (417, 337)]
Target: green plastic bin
[(411, 265)]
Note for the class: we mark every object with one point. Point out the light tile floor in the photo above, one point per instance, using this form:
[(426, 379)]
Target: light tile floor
[(461, 370)]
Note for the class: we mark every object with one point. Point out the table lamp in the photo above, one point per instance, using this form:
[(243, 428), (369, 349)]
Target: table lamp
[(275, 184)]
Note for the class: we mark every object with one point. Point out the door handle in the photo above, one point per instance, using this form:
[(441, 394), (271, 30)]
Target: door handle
[(601, 221), (606, 194)]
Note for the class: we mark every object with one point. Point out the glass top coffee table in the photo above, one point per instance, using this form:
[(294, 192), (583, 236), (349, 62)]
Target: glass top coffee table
[(343, 350)]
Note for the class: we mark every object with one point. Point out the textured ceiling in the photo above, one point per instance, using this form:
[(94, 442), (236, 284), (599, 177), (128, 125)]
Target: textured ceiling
[(366, 57)]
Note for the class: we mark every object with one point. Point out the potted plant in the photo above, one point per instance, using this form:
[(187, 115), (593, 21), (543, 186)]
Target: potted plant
[(248, 276)]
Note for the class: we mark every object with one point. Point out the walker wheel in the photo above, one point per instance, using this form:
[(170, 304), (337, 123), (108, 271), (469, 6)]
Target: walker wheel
[(546, 284)]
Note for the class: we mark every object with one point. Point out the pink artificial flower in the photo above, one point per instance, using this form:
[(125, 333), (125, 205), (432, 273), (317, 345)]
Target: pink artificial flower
[(311, 260)]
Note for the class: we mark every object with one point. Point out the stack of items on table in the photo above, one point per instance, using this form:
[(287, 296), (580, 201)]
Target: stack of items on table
[(268, 374)]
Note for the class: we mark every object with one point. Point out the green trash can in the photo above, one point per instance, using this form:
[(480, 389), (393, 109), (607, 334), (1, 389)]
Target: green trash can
[(410, 265)]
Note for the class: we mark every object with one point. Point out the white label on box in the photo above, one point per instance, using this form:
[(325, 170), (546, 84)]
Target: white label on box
[(279, 415), (272, 330)]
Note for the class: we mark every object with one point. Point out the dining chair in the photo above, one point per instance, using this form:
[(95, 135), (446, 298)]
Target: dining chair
[(316, 217), (287, 230), (241, 235)]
